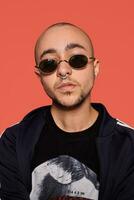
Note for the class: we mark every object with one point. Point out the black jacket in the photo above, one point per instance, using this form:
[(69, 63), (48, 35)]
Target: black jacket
[(115, 145)]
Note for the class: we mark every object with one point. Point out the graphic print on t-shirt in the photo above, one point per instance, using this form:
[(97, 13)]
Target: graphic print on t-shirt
[(63, 177)]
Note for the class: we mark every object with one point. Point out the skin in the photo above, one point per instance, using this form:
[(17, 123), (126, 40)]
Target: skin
[(71, 98)]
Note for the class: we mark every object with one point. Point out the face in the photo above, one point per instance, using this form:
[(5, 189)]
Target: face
[(60, 43)]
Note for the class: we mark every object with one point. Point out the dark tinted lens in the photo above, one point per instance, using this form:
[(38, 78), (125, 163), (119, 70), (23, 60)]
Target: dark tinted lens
[(78, 61), (47, 66)]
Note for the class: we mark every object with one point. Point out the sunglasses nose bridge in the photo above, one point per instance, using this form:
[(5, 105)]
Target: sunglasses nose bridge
[(62, 61), (63, 68)]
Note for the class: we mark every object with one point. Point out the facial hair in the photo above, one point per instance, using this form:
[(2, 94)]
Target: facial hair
[(60, 104), (77, 103)]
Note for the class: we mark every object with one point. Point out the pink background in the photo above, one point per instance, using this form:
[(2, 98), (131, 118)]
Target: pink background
[(111, 27)]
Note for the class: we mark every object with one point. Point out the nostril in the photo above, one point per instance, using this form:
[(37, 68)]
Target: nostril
[(64, 74)]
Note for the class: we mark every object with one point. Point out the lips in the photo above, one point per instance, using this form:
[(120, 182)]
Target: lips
[(66, 86)]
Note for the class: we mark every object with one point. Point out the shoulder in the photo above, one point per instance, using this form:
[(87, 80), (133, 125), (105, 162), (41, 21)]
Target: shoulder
[(124, 125), (111, 126), (36, 112), (123, 134), (33, 117), (124, 128)]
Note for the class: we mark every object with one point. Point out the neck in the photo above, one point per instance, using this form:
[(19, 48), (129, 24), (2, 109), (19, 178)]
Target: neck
[(74, 120)]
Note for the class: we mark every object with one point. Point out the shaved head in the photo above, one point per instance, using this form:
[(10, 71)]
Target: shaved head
[(60, 25)]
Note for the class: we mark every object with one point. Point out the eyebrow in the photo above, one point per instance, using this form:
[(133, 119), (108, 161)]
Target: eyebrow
[(68, 47), (74, 45), (47, 52)]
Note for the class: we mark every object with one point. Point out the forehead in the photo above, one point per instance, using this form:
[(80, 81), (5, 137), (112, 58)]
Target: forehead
[(59, 37)]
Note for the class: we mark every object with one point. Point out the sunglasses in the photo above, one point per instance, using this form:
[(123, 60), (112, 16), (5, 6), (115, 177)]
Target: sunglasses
[(48, 66)]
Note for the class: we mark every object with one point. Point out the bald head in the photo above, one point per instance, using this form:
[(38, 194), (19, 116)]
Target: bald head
[(53, 30)]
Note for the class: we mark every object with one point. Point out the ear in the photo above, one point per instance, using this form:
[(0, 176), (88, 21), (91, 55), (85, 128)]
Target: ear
[(96, 67), (37, 72)]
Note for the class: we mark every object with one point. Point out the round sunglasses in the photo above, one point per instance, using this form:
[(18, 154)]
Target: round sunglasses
[(48, 66)]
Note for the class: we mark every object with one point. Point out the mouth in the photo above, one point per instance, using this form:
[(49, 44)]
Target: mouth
[(66, 86)]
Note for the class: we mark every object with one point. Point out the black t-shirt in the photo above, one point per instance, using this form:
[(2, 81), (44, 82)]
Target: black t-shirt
[(65, 165)]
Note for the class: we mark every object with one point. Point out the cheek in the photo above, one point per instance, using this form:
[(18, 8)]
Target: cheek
[(87, 80), (47, 83)]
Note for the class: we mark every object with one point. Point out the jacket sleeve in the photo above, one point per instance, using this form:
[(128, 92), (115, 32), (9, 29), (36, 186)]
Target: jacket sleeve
[(11, 184), (126, 188), (125, 176)]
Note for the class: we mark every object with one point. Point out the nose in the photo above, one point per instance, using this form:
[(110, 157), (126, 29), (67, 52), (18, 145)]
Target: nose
[(64, 69)]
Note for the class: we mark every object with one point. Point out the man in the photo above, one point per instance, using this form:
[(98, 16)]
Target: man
[(72, 149)]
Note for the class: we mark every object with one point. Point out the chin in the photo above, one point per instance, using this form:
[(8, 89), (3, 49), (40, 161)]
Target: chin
[(68, 104)]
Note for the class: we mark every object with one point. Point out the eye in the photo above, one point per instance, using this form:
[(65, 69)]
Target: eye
[(47, 65), (78, 61)]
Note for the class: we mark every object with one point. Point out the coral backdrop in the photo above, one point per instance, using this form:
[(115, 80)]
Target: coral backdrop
[(111, 27)]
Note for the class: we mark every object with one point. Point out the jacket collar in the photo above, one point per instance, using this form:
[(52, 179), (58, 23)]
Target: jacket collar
[(108, 123)]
